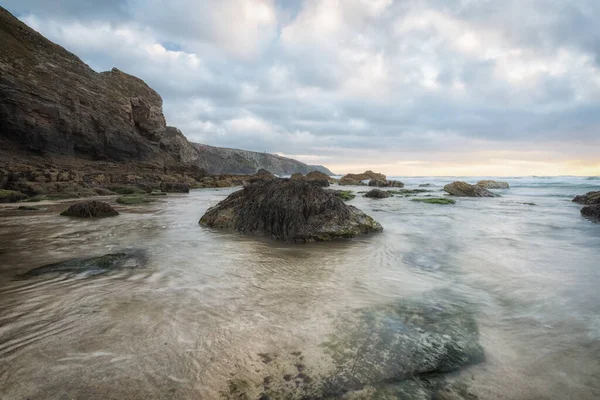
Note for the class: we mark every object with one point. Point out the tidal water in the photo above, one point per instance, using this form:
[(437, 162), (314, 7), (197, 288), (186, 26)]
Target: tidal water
[(208, 306)]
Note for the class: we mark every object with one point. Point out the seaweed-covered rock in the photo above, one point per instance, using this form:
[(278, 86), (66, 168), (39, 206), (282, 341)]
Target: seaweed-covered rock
[(90, 209), (175, 187), (592, 211), (357, 179), (435, 200), (378, 194), (589, 198), (464, 189), (493, 185), (93, 265), (345, 195), (290, 210), (11, 196), (384, 183)]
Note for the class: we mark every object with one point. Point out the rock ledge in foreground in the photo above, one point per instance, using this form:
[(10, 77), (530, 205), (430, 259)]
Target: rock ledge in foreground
[(289, 210)]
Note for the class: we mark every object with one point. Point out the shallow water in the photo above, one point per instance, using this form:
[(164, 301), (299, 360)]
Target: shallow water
[(207, 303)]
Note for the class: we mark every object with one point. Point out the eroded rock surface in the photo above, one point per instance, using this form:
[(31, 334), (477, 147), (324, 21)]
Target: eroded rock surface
[(493, 184), (357, 179), (90, 209), (290, 210)]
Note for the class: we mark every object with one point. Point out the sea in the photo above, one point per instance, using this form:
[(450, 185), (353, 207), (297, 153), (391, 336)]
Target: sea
[(209, 307)]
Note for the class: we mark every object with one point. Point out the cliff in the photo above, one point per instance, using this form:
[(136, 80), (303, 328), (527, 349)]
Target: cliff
[(53, 105)]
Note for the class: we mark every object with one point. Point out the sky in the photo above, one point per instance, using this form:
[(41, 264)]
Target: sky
[(405, 87)]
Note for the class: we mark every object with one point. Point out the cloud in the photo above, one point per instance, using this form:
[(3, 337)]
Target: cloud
[(405, 85)]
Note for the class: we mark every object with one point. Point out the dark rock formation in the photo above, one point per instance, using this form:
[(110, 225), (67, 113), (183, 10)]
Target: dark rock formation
[(592, 212), (264, 173), (464, 189), (426, 185), (290, 210), (93, 265), (174, 187), (383, 183), (378, 194), (493, 185), (357, 179), (318, 175), (588, 198), (90, 209)]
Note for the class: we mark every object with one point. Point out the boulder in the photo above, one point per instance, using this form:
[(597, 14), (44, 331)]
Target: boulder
[(378, 194), (464, 189), (383, 183), (289, 210), (264, 173), (90, 209), (493, 185), (297, 176), (588, 198), (317, 175), (174, 187), (592, 212), (356, 179)]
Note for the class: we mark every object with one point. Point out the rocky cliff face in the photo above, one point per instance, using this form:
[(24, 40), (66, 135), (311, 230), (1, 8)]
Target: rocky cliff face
[(52, 103)]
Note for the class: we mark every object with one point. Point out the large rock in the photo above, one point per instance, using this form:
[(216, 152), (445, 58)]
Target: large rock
[(90, 209), (290, 210), (319, 176), (588, 198), (357, 179), (592, 212), (378, 194), (493, 185), (382, 183), (174, 187), (464, 189)]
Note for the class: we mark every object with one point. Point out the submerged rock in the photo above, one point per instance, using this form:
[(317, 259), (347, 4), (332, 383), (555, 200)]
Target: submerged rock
[(493, 185), (589, 198), (378, 194), (435, 200), (93, 265), (90, 209), (398, 351), (290, 210), (464, 189), (592, 212), (384, 183), (345, 195)]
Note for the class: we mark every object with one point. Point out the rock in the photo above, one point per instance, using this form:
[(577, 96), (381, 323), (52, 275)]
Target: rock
[(134, 200), (493, 185), (320, 176), (588, 198), (464, 189), (263, 173), (426, 185), (403, 350), (383, 183), (297, 176), (90, 209), (93, 265), (174, 187), (592, 212), (356, 179), (435, 200), (378, 194), (28, 208), (11, 196), (289, 210)]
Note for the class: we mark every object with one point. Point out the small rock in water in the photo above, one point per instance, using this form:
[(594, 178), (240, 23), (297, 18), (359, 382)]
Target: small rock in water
[(90, 209), (592, 212), (463, 189), (93, 265), (378, 194)]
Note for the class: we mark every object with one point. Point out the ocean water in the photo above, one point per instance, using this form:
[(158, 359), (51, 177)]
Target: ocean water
[(208, 305)]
